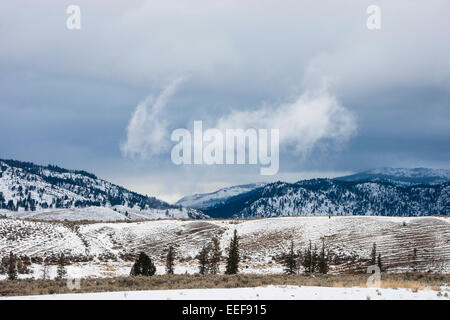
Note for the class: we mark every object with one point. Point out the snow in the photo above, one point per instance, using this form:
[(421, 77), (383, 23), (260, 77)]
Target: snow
[(257, 293), (18, 185), (207, 200), (116, 213), (261, 240), (411, 173), (402, 176)]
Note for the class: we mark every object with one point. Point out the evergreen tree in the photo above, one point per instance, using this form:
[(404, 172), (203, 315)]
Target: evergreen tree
[(12, 267), (323, 260), (45, 273), (143, 266), (380, 265), (61, 271), (300, 258), (233, 255), (373, 259), (170, 260), (314, 259), (307, 257), (290, 261), (203, 259), (216, 256)]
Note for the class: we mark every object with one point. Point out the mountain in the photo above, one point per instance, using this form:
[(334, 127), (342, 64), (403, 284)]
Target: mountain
[(219, 197), (401, 176), (50, 192), (335, 197)]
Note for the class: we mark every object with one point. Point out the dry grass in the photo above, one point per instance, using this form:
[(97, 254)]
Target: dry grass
[(416, 281)]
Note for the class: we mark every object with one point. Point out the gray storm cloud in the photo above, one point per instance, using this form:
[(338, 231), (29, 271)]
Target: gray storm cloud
[(250, 64)]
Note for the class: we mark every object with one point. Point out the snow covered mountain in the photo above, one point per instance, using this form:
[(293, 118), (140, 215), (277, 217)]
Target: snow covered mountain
[(209, 200), (401, 176), (335, 197), (54, 193)]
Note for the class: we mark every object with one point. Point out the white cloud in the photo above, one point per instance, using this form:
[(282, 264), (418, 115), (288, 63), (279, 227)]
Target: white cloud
[(312, 118), (147, 133), (315, 117)]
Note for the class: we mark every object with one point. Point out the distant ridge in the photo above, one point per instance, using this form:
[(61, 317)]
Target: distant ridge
[(209, 200), (401, 176), (320, 197), (384, 191)]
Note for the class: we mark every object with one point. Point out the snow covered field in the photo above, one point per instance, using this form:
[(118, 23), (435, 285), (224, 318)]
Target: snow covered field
[(108, 249), (258, 293)]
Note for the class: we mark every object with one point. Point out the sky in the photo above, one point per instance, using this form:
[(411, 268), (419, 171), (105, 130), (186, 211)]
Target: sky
[(106, 97)]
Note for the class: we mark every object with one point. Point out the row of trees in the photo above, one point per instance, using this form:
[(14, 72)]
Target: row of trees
[(13, 266), (311, 260), (209, 259), (314, 261)]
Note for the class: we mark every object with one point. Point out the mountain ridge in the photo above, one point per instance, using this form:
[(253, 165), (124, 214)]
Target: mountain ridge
[(401, 176), (27, 187), (334, 197), (211, 199), (49, 192)]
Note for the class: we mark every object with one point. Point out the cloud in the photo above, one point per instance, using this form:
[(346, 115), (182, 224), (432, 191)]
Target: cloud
[(312, 118), (147, 132)]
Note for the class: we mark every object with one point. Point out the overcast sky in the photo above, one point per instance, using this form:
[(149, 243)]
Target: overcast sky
[(105, 98)]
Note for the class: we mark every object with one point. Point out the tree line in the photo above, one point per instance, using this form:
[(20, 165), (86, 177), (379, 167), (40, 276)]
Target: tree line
[(209, 259)]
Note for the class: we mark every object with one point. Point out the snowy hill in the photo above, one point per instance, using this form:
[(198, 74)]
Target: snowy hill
[(108, 249), (209, 200), (385, 191), (401, 176), (334, 197), (49, 192)]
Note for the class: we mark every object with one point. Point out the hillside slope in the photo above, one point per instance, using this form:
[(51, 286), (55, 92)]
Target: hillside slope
[(219, 197), (46, 192), (334, 197), (262, 241)]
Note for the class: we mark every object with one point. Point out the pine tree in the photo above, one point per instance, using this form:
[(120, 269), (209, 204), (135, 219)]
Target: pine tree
[(373, 259), (380, 265), (203, 259), (290, 261), (314, 259), (323, 260), (216, 256), (45, 273), (61, 271), (307, 257), (12, 267), (300, 258), (170, 260), (143, 266), (233, 255)]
